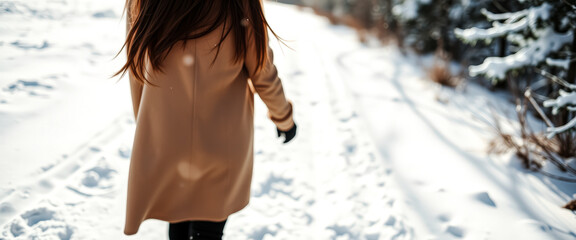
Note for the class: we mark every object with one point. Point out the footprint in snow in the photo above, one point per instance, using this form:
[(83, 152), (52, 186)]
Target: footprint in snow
[(35, 216), (485, 198), (17, 228), (391, 221), (346, 119), (24, 85), (6, 209), (109, 13), (38, 223), (350, 146), (125, 152), (95, 149), (95, 181), (444, 217), (262, 232), (455, 231), (341, 231), (24, 88), (28, 11), (274, 185), (27, 45)]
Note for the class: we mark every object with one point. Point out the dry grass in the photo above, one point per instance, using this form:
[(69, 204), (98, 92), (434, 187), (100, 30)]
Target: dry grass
[(354, 23), (532, 149), (330, 16), (384, 34), (347, 20), (524, 148), (529, 147), (365, 26), (440, 71), (571, 205), (503, 143)]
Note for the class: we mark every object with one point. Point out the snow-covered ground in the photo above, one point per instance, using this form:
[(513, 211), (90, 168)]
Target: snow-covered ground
[(381, 152)]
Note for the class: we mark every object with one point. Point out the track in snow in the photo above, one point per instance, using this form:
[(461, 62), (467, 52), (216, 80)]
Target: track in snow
[(298, 189), (347, 175)]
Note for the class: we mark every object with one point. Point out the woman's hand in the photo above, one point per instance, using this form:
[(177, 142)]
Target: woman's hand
[(288, 135)]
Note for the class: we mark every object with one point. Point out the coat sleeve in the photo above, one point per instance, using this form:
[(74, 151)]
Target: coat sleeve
[(135, 86), (269, 86), (136, 91)]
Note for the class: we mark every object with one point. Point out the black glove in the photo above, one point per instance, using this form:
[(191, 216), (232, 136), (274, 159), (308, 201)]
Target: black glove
[(288, 135)]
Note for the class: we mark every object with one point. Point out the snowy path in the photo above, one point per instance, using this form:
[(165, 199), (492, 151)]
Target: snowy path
[(376, 156)]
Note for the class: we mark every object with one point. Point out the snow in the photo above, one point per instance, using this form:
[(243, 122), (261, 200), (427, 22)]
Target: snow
[(475, 34), (552, 131), (565, 99), (531, 53), (377, 155), (515, 22), (561, 63), (535, 52), (408, 9)]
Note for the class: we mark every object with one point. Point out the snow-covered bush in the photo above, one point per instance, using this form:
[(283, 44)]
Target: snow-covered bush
[(504, 40), (425, 23), (566, 100), (536, 33), (539, 38)]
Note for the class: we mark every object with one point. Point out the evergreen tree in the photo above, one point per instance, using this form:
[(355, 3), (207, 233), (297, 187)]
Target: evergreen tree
[(419, 23), (541, 38), (427, 24), (536, 33)]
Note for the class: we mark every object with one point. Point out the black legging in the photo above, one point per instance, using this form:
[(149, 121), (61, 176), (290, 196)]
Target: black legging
[(197, 230)]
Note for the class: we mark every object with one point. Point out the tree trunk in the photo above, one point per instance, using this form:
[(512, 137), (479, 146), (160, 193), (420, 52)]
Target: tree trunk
[(571, 77), (566, 139), (389, 16)]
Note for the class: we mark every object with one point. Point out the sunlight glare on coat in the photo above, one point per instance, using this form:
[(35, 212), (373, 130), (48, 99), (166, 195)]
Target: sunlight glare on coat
[(188, 171), (188, 60)]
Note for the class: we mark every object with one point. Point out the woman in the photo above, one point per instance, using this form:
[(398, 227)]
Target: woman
[(190, 63)]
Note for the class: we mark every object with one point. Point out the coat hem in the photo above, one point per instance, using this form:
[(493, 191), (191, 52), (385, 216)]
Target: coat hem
[(129, 233)]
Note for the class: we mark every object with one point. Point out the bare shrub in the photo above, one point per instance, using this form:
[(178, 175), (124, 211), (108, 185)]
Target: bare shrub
[(522, 146), (385, 34), (357, 25), (533, 149), (362, 12), (362, 19), (440, 71), (330, 16), (571, 205)]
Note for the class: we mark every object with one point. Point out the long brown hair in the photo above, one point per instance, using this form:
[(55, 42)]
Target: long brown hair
[(156, 25)]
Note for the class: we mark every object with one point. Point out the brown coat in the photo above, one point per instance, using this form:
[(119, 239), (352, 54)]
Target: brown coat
[(193, 149)]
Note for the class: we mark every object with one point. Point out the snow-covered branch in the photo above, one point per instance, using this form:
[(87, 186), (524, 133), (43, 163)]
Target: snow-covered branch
[(534, 53), (566, 99), (558, 80), (515, 22), (561, 63), (555, 130), (408, 9), (475, 34), (504, 16)]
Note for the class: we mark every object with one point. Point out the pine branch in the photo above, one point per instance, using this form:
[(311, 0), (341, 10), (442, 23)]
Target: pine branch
[(564, 179), (528, 95), (535, 52), (556, 79), (569, 4), (555, 130)]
